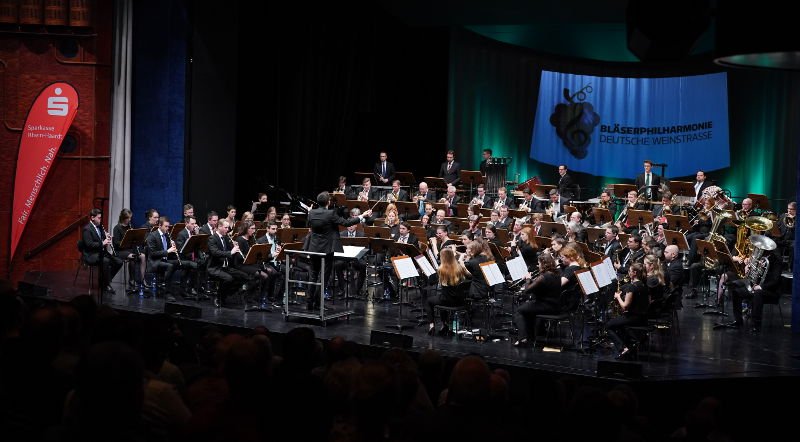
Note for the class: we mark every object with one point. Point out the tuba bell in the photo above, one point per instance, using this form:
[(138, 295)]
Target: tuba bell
[(753, 225), (759, 265)]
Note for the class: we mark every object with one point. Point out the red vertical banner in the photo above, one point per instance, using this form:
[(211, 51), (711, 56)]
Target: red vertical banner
[(48, 122)]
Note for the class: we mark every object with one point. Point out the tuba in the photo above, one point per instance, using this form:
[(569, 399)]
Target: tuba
[(759, 264), (753, 225)]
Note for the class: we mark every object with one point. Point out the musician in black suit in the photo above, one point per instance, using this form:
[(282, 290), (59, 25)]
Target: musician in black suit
[(367, 193), (769, 288), (94, 243), (190, 259), (162, 252), (648, 178), (487, 156), (360, 265), (700, 184), (342, 187), (405, 236), (324, 238), (451, 201), (567, 187), (211, 225), (272, 267), (503, 199), (674, 268), (397, 194), (482, 199), (450, 170), (666, 202), (221, 250), (634, 253), (612, 243), (383, 171)]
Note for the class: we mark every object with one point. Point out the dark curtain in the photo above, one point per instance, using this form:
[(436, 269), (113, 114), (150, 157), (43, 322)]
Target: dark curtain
[(337, 89), (494, 89)]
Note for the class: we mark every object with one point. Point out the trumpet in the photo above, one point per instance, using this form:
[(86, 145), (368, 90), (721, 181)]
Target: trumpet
[(363, 195), (392, 197), (476, 202)]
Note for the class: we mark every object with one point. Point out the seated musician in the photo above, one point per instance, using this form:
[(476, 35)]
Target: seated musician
[(527, 248), (272, 267), (503, 199), (392, 221), (272, 216), (450, 201), (221, 250), (504, 221), (529, 203), (612, 242), (604, 203), (248, 216), (624, 222), (633, 253), (286, 221), (656, 284), (786, 225), (190, 259), (575, 230), (95, 242), (259, 206), (404, 235), (342, 187), (132, 256), (230, 214), (482, 199), (245, 239), (761, 281), (439, 242), (634, 302), (397, 194), (494, 219), (152, 217), (665, 208), (441, 221), (490, 233), (544, 298), (211, 224), (552, 208), (476, 254), (451, 275), (162, 253), (473, 228)]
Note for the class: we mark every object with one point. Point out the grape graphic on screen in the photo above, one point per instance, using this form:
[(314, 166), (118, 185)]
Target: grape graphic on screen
[(574, 121)]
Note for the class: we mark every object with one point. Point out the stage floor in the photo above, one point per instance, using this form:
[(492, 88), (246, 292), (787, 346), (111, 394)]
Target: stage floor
[(699, 352)]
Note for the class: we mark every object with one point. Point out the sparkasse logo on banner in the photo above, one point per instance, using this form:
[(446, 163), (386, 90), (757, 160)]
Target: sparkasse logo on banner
[(47, 123)]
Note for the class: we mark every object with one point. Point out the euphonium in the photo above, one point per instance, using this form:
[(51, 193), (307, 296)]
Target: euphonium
[(759, 264)]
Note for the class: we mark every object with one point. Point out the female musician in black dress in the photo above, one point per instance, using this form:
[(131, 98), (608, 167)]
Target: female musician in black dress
[(475, 256), (451, 274), (527, 248), (130, 255), (656, 284), (544, 292), (634, 301)]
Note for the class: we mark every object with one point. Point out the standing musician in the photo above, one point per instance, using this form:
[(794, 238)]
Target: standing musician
[(383, 170), (567, 187), (130, 255), (95, 244), (162, 252), (634, 301), (190, 259), (487, 158), (450, 170), (647, 179), (786, 225), (273, 266), (544, 293), (221, 249), (700, 184)]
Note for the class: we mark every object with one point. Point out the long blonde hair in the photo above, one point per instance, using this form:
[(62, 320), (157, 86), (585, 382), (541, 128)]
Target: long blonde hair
[(451, 272), (657, 271)]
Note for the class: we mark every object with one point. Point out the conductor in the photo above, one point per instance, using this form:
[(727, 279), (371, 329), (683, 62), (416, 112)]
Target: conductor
[(324, 238)]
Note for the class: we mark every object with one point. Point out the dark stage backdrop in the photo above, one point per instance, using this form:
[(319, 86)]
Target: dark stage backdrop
[(322, 92), (494, 89)]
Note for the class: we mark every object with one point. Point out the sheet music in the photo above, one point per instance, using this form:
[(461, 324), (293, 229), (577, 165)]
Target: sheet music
[(404, 267), (601, 274), (433, 259), (351, 252), (492, 273), (610, 270), (517, 268), (587, 282), (425, 265)]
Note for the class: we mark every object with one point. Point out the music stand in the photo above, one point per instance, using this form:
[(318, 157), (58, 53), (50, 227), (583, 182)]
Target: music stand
[(407, 208), (568, 209), (682, 188), (358, 241), (677, 222), (706, 250), (292, 234), (593, 234), (591, 256), (175, 230), (261, 232), (406, 178), (257, 254), (420, 233), (486, 211), (676, 238), (502, 236), (621, 190), (641, 217), (439, 206), (542, 242), (623, 239), (462, 210), (132, 239), (435, 183), (473, 177), (601, 215), (363, 206), (500, 254), (514, 213), (377, 232), (361, 175), (551, 227), (543, 190), (759, 201), (339, 198)]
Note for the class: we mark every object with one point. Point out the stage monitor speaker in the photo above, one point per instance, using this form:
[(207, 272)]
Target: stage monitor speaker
[(28, 289), (624, 370), (377, 337), (182, 310)]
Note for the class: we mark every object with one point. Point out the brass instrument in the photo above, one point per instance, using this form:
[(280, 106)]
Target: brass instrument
[(759, 264), (363, 195), (391, 197), (788, 221), (497, 205), (718, 216), (623, 216), (753, 225)]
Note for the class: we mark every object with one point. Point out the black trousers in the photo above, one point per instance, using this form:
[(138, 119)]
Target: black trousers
[(525, 317), (618, 329), (316, 269), (108, 270), (441, 299), (739, 293)]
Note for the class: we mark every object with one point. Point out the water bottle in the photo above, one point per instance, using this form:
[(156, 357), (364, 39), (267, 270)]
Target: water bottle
[(154, 282), (454, 323), (327, 293), (141, 289)]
